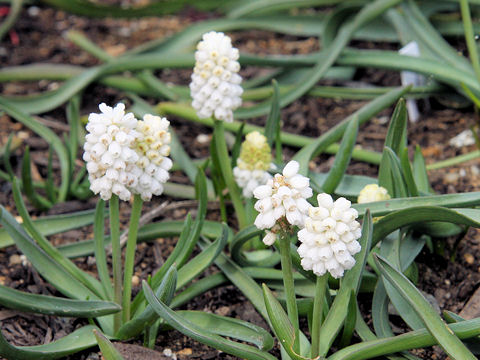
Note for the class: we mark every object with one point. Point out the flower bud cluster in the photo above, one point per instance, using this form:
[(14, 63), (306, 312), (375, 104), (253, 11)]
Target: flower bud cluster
[(282, 200), (329, 239), (215, 86), (371, 193), (110, 152), (252, 164), (124, 155), (153, 146)]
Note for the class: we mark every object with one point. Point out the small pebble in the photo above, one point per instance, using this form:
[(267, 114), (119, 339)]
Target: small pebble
[(185, 352), (203, 138), (15, 259), (469, 258), (33, 11), (451, 177), (135, 280)]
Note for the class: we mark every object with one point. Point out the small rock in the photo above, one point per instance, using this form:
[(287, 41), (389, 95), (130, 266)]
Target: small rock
[(465, 138), (15, 259), (185, 352), (203, 138), (135, 280), (451, 177), (223, 311), (469, 258), (33, 11), (475, 170)]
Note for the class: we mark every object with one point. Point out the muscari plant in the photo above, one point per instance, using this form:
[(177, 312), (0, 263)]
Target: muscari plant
[(400, 226)]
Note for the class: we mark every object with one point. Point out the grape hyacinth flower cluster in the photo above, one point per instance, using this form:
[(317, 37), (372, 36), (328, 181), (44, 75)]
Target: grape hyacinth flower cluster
[(282, 202), (153, 144), (329, 239), (215, 86), (110, 152), (126, 156), (252, 164), (371, 193)]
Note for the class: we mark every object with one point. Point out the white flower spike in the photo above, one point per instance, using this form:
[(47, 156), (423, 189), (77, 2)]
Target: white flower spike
[(282, 201), (329, 239), (371, 193), (110, 152), (252, 164), (153, 147), (215, 86)]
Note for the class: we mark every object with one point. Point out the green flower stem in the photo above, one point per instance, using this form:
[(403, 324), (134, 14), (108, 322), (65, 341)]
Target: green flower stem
[(470, 37), (286, 261), (186, 112), (116, 258), (130, 256), (317, 318), (224, 160)]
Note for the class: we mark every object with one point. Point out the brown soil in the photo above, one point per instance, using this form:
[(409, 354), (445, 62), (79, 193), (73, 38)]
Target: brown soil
[(40, 31)]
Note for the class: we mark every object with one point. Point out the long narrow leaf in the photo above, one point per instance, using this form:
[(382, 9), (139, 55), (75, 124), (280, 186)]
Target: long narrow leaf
[(109, 352), (342, 159), (436, 326), (52, 305), (79, 340), (148, 316), (231, 327), (49, 137), (188, 328)]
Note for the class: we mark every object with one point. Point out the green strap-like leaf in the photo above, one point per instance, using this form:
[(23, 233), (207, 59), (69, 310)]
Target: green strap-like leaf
[(200, 334), (52, 305), (49, 137), (436, 326), (342, 159), (69, 266), (109, 352), (149, 232), (272, 126), (396, 134), (37, 200), (380, 208), (50, 225), (231, 327), (373, 348), (419, 214), (270, 259), (148, 316), (79, 340), (44, 264), (281, 325), (420, 171), (336, 132), (200, 262)]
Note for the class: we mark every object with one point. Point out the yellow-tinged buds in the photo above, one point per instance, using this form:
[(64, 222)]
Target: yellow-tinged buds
[(255, 153), (371, 193)]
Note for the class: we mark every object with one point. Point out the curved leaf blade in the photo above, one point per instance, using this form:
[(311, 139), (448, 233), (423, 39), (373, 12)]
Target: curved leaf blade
[(79, 340), (231, 327), (52, 305), (108, 350), (436, 326), (188, 328)]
